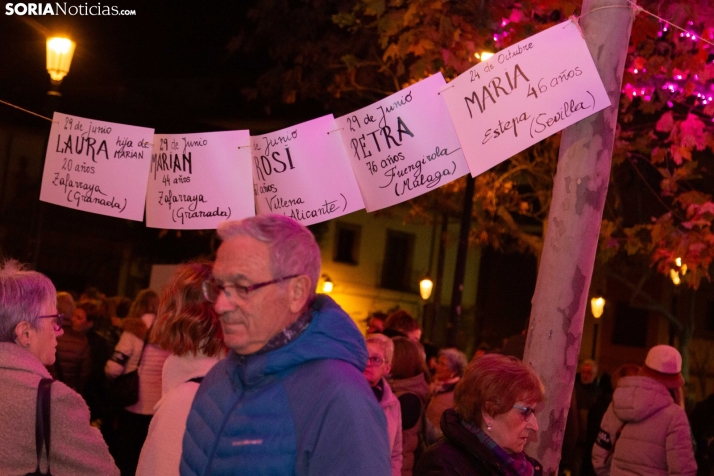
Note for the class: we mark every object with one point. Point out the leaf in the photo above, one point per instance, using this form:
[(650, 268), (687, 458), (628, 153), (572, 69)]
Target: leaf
[(666, 122)]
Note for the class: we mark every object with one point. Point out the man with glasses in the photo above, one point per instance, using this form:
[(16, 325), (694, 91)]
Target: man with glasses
[(289, 398)]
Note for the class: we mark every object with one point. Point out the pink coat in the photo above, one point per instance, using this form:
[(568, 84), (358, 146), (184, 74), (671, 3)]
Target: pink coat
[(77, 449), (656, 438)]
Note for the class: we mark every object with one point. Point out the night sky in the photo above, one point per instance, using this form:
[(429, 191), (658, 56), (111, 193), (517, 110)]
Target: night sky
[(174, 67)]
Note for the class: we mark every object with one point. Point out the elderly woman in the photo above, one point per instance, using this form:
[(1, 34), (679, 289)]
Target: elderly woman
[(29, 327), (381, 350), (189, 328), (491, 422), (450, 367)]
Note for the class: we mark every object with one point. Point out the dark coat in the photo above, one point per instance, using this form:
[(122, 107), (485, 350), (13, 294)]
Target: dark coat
[(460, 453)]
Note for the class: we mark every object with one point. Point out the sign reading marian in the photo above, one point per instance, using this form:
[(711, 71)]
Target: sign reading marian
[(404, 145), (199, 180), (98, 167), (303, 172), (524, 94)]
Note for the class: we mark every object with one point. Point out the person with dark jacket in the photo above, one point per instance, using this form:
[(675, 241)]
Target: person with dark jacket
[(492, 420)]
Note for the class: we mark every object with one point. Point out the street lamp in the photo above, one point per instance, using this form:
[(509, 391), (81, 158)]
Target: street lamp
[(425, 287), (327, 284), (59, 57), (597, 307), (675, 276)]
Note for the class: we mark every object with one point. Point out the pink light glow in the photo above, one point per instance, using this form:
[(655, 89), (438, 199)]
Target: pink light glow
[(694, 38), (648, 98), (635, 71), (670, 104), (665, 29)]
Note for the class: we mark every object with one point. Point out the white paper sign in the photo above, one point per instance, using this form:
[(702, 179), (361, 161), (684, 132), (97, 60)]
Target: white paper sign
[(303, 172), (404, 145), (199, 180), (524, 94), (98, 167)]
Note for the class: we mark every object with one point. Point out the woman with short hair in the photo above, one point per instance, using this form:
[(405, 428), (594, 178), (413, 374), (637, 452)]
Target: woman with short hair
[(492, 420), (381, 351), (450, 367), (29, 327), (189, 328)]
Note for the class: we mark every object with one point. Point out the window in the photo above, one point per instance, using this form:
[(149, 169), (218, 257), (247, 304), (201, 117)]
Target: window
[(347, 238), (630, 327), (397, 264)]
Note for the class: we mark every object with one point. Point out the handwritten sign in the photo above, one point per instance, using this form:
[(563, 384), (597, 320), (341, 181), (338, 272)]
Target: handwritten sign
[(404, 145), (98, 167), (199, 180), (524, 94), (303, 172)]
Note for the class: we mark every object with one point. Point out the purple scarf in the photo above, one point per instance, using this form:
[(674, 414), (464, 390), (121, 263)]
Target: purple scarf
[(514, 464)]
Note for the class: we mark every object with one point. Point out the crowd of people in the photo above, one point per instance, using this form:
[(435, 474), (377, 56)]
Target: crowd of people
[(243, 369)]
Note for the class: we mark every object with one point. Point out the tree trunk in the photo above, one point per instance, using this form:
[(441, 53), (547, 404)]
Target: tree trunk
[(460, 268), (579, 191), (439, 279)]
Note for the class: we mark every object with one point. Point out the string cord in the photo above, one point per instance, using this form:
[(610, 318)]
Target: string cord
[(638, 9), (25, 110)]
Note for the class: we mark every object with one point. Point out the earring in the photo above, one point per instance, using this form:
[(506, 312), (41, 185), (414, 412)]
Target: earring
[(489, 427)]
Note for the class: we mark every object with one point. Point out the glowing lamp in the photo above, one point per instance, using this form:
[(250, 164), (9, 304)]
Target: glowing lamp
[(425, 287), (327, 284), (597, 306), (59, 57)]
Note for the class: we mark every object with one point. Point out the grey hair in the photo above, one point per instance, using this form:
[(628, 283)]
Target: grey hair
[(24, 294), (384, 342), (293, 249), (456, 359)]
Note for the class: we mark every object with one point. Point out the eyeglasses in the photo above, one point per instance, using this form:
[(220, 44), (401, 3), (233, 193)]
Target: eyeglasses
[(212, 288), (59, 319), (525, 411), (376, 361)]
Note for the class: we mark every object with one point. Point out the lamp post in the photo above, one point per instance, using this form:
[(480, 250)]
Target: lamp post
[(59, 57), (597, 306)]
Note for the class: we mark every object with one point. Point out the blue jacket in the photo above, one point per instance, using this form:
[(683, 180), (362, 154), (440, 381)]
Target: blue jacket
[(304, 408)]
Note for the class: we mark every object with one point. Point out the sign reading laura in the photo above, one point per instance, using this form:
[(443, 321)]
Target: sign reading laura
[(404, 145), (524, 94), (98, 167), (199, 180), (303, 172)]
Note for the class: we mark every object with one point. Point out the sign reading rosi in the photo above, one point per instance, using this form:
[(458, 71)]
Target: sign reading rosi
[(524, 94), (95, 166), (199, 180), (403, 146), (303, 172)]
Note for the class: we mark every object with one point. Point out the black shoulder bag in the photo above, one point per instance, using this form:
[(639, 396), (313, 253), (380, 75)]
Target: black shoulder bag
[(42, 424), (123, 391)]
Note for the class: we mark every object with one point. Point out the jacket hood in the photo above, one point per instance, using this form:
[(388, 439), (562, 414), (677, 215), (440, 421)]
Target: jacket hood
[(637, 398), (331, 334), (416, 385)]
